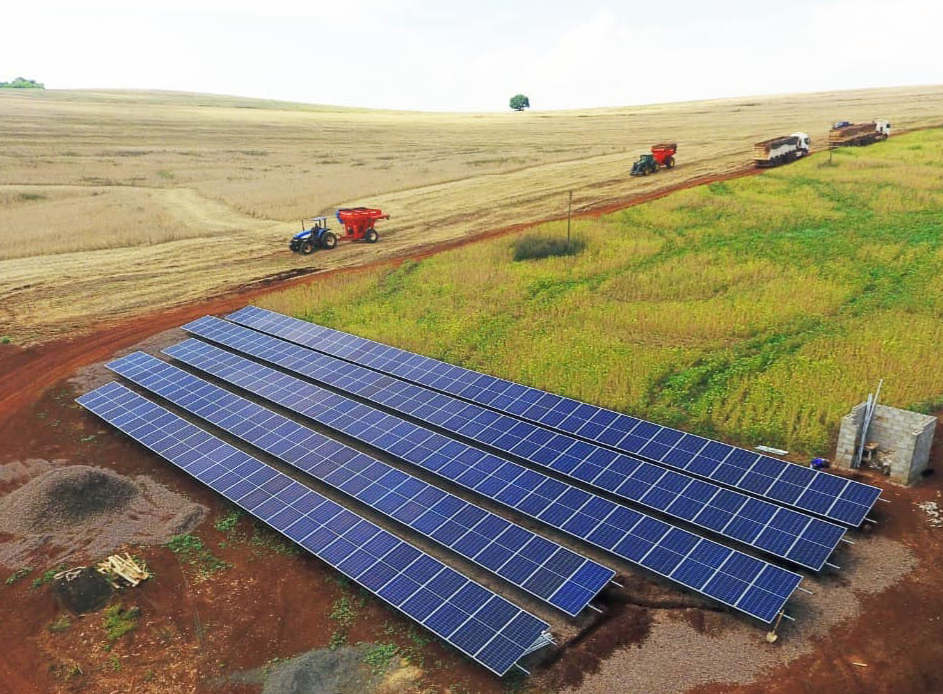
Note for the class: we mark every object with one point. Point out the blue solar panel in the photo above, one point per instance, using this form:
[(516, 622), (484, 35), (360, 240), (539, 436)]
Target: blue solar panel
[(446, 602), (701, 503), (388, 490), (842, 500), (598, 521)]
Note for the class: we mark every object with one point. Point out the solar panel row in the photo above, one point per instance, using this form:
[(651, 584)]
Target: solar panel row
[(833, 497), (486, 627), (548, 571), (750, 585), (779, 531)]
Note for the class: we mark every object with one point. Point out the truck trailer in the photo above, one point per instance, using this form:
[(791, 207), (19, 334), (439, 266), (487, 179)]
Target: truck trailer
[(781, 150), (845, 134)]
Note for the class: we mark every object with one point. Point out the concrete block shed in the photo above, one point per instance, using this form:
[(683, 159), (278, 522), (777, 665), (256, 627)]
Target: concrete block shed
[(903, 440)]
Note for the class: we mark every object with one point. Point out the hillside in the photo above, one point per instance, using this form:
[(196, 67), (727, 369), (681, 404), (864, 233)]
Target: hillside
[(757, 309), (113, 204)]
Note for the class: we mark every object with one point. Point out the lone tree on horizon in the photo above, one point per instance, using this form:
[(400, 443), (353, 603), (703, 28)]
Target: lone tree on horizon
[(519, 102)]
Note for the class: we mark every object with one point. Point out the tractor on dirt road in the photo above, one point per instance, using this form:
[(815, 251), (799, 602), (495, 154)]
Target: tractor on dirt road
[(358, 224), (662, 155)]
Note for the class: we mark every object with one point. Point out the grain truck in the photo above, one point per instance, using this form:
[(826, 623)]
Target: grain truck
[(845, 134), (780, 150)]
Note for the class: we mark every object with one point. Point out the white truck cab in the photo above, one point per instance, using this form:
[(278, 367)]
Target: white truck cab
[(803, 144), (882, 127)]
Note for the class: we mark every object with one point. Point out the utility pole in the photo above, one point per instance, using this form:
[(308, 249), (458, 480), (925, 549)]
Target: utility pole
[(569, 211)]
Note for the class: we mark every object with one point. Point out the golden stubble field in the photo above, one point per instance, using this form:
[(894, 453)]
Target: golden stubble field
[(114, 204)]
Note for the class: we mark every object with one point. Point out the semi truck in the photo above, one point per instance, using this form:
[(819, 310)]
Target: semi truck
[(781, 150), (845, 134)]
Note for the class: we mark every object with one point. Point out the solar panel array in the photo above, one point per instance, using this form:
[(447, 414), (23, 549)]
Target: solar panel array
[(750, 585), (490, 630), (842, 500), (779, 531), (548, 571)]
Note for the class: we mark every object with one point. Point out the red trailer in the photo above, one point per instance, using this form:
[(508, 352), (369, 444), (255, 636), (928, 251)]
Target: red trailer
[(358, 222), (665, 154), (662, 155)]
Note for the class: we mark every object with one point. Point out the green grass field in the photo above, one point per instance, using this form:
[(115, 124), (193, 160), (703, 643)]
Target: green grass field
[(757, 310)]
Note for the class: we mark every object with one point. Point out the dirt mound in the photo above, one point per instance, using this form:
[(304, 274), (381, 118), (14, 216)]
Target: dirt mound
[(64, 497), (79, 512), (339, 671)]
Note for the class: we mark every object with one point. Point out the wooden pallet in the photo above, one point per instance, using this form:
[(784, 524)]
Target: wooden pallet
[(124, 567)]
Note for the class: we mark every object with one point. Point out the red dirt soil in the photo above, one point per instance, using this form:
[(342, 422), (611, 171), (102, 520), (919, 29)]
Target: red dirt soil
[(24, 373), (191, 634)]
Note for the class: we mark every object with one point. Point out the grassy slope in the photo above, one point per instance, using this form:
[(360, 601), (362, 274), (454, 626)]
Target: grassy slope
[(759, 310)]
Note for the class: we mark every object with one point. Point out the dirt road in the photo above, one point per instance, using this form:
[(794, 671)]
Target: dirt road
[(901, 652), (56, 294), (26, 372)]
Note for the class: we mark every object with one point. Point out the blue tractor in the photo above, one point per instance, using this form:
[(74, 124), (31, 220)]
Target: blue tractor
[(318, 235)]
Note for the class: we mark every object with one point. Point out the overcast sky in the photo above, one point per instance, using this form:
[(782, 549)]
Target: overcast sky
[(443, 56)]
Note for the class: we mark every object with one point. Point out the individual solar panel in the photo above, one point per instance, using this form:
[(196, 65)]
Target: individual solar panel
[(484, 626), (823, 494), (565, 579), (778, 531), (595, 520)]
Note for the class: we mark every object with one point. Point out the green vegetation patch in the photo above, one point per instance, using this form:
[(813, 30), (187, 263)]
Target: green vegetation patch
[(227, 523), (18, 574), (22, 83), (411, 642), (191, 549), (537, 247), (261, 538), (757, 310), (264, 538), (47, 577), (380, 657), (119, 621), (338, 639), (344, 611), (60, 625)]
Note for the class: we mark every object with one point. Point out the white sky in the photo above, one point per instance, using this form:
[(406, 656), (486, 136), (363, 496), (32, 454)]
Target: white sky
[(447, 55)]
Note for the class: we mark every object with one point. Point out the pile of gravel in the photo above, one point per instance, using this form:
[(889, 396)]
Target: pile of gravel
[(338, 671), (726, 651), (79, 512), (341, 671), (65, 497)]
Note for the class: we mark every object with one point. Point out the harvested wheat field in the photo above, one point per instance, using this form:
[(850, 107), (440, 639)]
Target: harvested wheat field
[(114, 204), (746, 309)]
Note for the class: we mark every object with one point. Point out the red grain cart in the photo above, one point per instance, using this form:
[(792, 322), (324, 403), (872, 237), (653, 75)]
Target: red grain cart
[(662, 155), (358, 222), (665, 154)]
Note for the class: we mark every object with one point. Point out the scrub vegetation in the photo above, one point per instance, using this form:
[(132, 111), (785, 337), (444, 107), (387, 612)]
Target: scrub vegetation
[(757, 310)]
